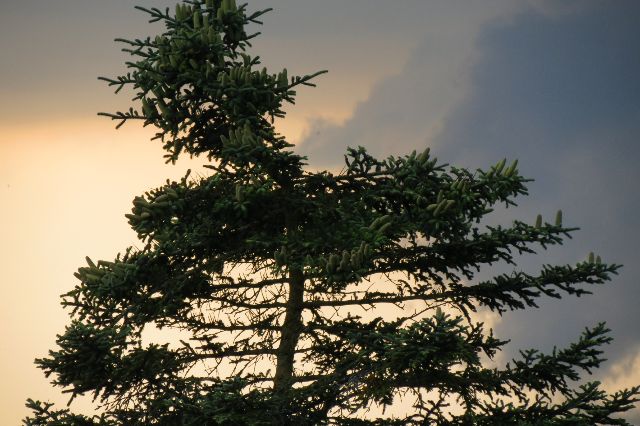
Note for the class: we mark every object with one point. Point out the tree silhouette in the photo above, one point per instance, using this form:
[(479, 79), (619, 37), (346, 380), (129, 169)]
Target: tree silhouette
[(291, 285)]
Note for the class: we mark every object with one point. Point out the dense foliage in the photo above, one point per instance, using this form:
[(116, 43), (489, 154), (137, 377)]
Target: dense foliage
[(263, 266)]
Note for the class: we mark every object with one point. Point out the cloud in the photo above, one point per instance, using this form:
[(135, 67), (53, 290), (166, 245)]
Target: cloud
[(561, 8), (625, 374), (555, 87), (406, 110), (560, 94)]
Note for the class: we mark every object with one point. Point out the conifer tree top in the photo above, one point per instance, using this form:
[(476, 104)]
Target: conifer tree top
[(206, 94), (281, 278)]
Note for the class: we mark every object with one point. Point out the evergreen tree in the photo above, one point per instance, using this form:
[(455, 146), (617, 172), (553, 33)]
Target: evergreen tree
[(263, 264)]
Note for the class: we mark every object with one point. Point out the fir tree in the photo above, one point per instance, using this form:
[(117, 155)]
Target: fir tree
[(262, 263)]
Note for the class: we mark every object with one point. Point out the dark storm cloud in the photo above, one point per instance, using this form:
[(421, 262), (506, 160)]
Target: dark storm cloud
[(563, 96), (560, 91)]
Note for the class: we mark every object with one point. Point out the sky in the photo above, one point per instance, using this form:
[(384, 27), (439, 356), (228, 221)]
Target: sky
[(552, 83)]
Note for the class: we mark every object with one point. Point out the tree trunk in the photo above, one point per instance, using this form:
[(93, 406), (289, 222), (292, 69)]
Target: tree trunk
[(290, 332)]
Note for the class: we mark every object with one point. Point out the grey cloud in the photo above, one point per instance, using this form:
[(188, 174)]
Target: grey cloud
[(406, 110), (53, 52), (558, 89), (561, 95), (560, 8)]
